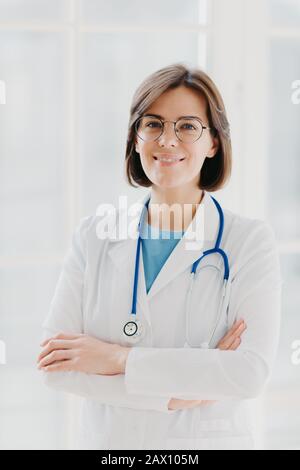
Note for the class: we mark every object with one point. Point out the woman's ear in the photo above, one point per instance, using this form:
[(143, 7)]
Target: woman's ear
[(136, 146), (214, 148)]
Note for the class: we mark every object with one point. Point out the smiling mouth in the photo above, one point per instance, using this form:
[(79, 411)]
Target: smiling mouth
[(169, 159)]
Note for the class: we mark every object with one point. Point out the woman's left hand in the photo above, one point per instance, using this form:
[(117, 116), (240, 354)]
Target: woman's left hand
[(82, 353)]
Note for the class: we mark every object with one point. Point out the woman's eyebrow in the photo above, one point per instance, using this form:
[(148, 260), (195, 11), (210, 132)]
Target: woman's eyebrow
[(180, 117)]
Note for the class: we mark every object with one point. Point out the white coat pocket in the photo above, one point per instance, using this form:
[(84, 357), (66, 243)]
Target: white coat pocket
[(206, 312)]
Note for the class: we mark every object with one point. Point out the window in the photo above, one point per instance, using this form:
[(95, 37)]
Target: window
[(70, 68)]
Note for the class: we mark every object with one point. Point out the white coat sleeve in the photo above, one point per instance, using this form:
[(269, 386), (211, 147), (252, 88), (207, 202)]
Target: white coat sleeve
[(65, 315), (213, 374)]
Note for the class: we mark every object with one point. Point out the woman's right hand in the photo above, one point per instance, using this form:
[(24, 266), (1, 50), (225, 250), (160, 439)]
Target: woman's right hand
[(230, 342)]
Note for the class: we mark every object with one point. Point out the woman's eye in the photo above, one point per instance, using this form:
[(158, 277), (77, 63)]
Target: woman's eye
[(153, 124), (191, 126)]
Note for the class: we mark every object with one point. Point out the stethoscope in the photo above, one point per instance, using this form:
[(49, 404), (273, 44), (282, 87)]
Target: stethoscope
[(133, 329)]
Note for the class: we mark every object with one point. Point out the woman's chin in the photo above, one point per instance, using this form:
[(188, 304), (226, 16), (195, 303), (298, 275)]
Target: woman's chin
[(167, 183)]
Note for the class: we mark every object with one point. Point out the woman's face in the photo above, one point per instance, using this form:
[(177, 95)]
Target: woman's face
[(173, 103)]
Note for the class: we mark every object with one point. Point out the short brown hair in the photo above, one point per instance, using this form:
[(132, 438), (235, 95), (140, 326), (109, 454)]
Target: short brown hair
[(215, 171)]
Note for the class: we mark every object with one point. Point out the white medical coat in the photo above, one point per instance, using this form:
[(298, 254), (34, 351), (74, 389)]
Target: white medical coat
[(94, 296)]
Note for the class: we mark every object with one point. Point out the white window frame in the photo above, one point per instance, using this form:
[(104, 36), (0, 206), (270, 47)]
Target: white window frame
[(232, 45)]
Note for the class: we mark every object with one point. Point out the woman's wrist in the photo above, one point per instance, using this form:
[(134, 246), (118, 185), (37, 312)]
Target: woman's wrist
[(122, 355)]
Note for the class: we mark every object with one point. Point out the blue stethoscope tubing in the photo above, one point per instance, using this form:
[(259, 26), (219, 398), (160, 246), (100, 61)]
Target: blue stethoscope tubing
[(206, 253)]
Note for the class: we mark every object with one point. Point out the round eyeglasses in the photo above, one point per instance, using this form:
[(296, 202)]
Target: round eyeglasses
[(187, 130)]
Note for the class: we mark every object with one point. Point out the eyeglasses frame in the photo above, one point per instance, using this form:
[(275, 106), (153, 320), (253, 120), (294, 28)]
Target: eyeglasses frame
[(163, 128)]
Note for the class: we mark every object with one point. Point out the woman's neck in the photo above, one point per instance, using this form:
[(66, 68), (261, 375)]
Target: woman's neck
[(173, 209)]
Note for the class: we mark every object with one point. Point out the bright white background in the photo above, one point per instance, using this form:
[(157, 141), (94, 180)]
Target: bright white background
[(71, 68)]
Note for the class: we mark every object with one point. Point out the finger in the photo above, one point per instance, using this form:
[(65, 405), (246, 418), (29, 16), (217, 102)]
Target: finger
[(56, 356), (232, 345), (56, 344), (60, 366), (226, 343), (232, 341), (228, 340), (234, 328), (60, 336), (236, 343)]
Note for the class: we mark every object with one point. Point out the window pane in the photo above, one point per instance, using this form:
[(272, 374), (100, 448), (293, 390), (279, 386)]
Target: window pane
[(281, 403), (101, 11), (26, 10), (284, 371), (284, 139), (23, 314), (113, 65), (31, 413), (33, 129), (285, 13)]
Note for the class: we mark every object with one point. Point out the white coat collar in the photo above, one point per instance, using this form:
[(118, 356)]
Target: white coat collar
[(186, 252)]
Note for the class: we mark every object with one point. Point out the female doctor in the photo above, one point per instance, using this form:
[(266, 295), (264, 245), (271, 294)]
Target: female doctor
[(171, 333)]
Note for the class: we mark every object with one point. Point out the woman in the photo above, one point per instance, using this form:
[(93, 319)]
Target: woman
[(162, 366)]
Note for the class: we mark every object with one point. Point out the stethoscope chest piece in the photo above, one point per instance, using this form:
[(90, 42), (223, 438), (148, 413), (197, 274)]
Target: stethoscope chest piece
[(133, 330)]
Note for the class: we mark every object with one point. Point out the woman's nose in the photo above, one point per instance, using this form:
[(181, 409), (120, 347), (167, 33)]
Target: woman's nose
[(168, 135)]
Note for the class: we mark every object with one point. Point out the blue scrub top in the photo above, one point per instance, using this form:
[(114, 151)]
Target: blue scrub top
[(157, 245)]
